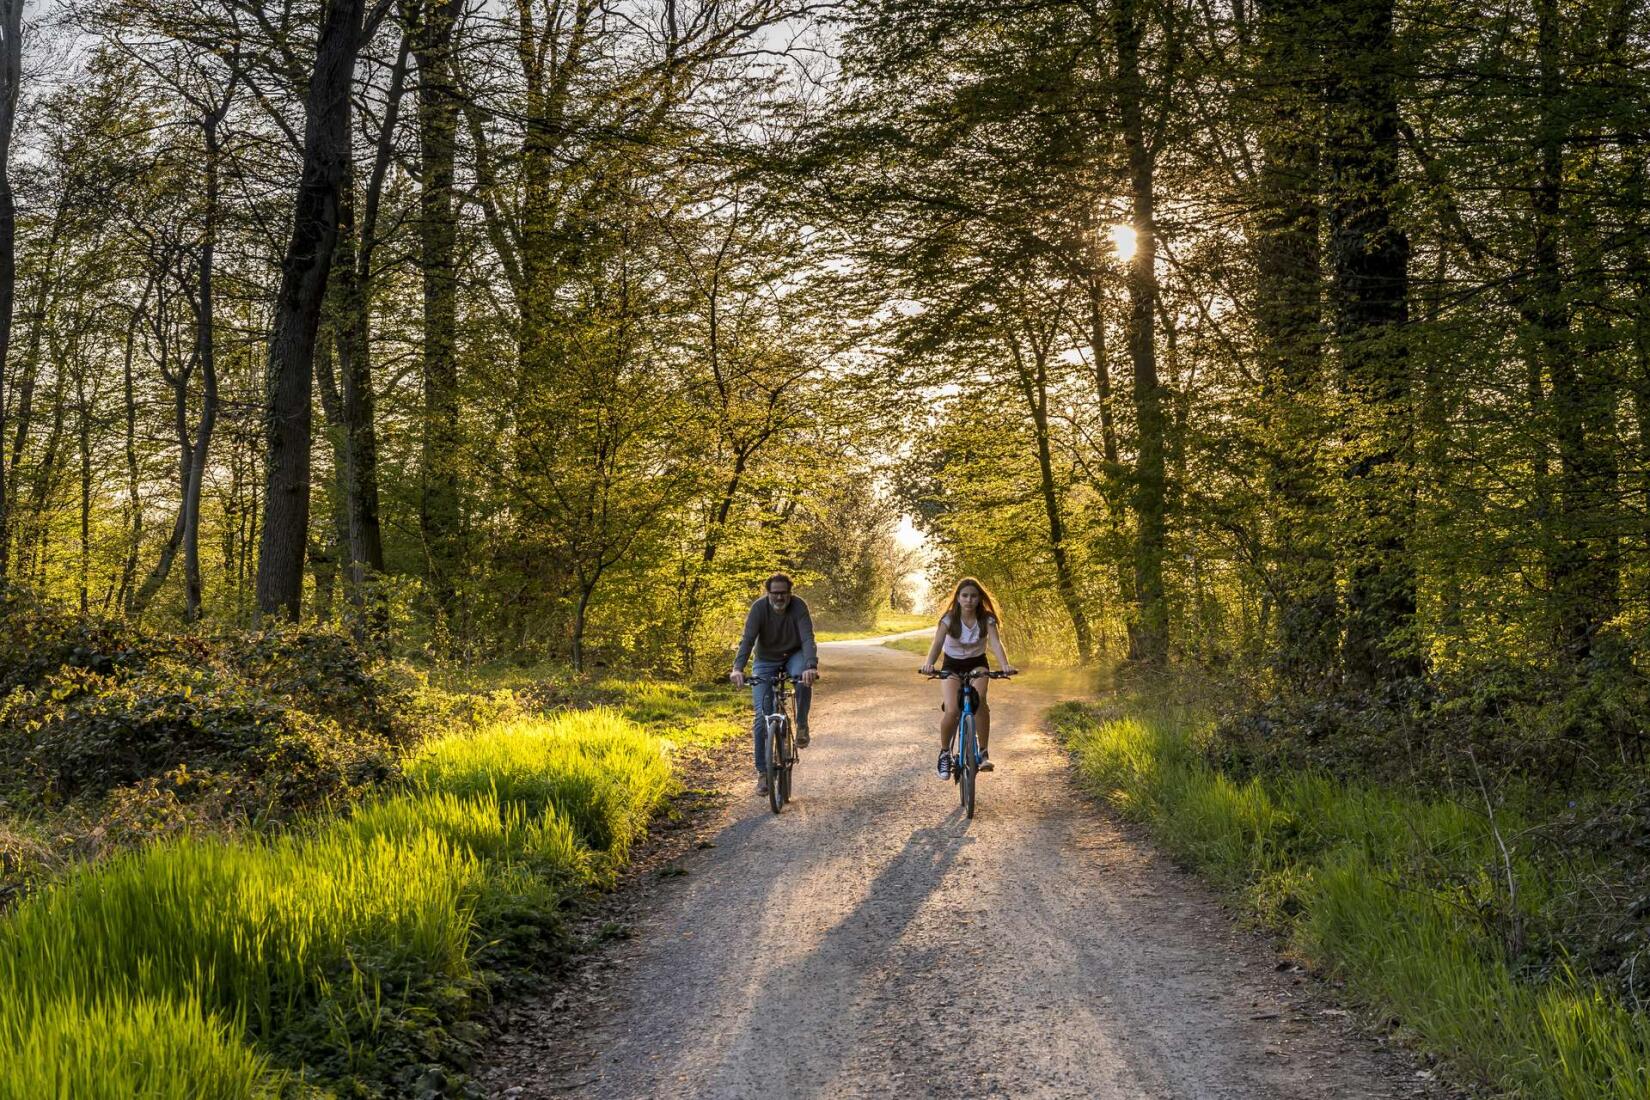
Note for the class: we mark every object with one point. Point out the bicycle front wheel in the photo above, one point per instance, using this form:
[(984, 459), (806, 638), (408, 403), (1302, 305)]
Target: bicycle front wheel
[(970, 760), (776, 767)]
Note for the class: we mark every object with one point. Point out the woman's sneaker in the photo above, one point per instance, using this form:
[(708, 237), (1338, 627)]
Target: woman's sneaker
[(985, 762), (943, 767)]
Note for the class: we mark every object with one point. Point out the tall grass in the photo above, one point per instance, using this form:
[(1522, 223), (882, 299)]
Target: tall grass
[(259, 930), (160, 964), (1388, 891), (599, 771), (124, 1050)]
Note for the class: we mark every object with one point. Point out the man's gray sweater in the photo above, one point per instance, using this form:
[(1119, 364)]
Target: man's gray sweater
[(778, 634)]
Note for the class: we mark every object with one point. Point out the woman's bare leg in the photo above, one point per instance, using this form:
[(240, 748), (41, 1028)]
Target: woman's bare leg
[(952, 714)]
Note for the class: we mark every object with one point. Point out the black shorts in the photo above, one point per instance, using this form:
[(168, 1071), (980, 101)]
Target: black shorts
[(963, 664)]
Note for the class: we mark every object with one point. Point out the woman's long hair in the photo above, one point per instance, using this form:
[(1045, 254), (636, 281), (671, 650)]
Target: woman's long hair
[(985, 613)]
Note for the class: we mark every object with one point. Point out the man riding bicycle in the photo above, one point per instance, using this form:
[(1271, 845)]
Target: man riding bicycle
[(782, 632)]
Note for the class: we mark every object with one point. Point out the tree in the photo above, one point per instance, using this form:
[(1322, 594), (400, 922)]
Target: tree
[(1289, 337), (1369, 255), (304, 272), (11, 82)]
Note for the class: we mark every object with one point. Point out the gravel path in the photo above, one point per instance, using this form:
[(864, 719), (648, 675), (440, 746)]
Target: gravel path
[(871, 942)]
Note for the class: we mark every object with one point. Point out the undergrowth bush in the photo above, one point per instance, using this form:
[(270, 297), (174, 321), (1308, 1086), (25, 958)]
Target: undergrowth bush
[(265, 724), (1586, 724), (1404, 896)]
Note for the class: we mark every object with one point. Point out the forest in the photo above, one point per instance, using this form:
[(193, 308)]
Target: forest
[(1301, 339), (1293, 357)]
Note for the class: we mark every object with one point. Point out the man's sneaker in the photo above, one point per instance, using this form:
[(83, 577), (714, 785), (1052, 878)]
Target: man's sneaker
[(802, 737), (985, 762), (943, 767), (762, 784)]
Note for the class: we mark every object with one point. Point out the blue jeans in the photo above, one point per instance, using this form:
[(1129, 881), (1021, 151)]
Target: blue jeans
[(762, 700)]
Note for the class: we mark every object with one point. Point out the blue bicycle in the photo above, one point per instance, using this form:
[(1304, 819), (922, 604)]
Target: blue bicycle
[(965, 761)]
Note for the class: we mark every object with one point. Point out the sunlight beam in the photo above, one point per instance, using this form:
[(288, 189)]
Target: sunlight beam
[(1122, 241)]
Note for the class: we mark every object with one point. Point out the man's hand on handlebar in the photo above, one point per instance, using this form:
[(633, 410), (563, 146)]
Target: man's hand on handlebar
[(809, 675), (737, 678)]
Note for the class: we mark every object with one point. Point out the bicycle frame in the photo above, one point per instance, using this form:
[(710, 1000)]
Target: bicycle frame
[(780, 732), (966, 697), (781, 682)]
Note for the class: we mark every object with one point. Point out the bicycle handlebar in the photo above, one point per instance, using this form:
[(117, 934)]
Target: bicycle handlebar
[(971, 674), (778, 678)]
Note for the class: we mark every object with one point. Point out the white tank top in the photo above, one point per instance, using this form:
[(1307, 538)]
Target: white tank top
[(969, 641)]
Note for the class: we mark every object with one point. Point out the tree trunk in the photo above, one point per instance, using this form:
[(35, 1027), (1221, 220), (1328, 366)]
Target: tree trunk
[(438, 514), (134, 483), (693, 591), (351, 409), (1584, 563), (11, 79), (83, 437), (1149, 633), (586, 589), (304, 272), (1033, 379), (204, 352), (1288, 296), (1370, 291)]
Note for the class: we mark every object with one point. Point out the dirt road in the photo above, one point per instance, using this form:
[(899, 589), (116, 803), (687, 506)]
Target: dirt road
[(870, 942)]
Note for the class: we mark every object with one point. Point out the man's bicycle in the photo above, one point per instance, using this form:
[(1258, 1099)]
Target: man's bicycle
[(965, 759), (781, 735)]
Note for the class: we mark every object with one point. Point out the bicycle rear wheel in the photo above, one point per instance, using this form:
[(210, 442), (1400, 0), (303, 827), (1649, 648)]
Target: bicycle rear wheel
[(970, 758), (776, 766)]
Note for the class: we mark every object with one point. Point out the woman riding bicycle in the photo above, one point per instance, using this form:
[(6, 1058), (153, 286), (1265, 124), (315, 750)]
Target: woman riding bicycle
[(964, 631)]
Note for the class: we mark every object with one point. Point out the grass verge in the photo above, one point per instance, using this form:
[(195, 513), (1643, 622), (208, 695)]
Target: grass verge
[(888, 622), (1396, 895), (919, 646), (348, 954)]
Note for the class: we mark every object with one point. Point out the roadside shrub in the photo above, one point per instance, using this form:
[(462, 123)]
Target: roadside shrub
[(349, 952), (326, 674), (1569, 725), (272, 722), (504, 832), (81, 732), (258, 928)]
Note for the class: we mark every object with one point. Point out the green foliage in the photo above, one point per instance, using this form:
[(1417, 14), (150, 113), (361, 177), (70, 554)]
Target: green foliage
[(37, 639), (82, 732), (1576, 725), (326, 673), (1403, 896), (267, 723)]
